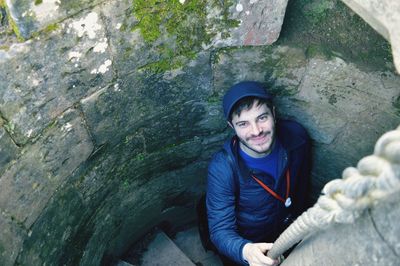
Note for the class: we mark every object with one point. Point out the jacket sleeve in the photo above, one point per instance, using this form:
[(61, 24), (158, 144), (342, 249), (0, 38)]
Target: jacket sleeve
[(220, 202)]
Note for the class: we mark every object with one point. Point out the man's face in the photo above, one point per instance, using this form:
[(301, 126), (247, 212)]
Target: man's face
[(255, 129)]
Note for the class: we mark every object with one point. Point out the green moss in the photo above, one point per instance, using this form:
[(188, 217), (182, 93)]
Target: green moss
[(15, 29), (177, 30), (3, 14), (5, 17), (316, 11), (216, 56), (13, 26), (318, 51), (38, 2), (51, 27), (4, 47), (140, 157), (10, 127), (48, 29), (214, 99)]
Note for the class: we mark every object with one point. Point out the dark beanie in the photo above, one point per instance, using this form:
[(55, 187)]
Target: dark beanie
[(241, 90)]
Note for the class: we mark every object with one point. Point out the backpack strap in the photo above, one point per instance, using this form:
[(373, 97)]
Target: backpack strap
[(235, 172)]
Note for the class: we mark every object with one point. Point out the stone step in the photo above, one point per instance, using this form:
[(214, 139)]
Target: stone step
[(189, 242), (163, 251)]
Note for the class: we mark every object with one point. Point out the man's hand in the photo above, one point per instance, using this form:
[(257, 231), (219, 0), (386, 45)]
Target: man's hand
[(254, 253)]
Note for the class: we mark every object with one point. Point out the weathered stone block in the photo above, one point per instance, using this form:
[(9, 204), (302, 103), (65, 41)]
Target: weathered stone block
[(148, 104), (67, 229), (33, 16), (337, 93), (165, 35), (169, 158), (26, 186), (281, 68), (260, 23), (323, 124), (127, 45), (44, 78)]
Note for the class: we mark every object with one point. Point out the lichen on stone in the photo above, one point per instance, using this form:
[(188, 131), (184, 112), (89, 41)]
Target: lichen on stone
[(88, 25)]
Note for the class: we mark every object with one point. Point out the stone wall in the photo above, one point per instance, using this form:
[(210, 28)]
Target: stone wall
[(107, 122)]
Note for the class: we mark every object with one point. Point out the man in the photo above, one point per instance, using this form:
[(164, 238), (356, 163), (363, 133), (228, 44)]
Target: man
[(258, 183)]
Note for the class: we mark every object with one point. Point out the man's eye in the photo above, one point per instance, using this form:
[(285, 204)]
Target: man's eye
[(242, 124), (263, 118)]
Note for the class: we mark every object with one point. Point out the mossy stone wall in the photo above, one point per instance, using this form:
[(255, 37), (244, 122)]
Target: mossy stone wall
[(97, 147)]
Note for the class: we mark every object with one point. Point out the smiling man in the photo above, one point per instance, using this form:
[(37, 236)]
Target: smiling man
[(257, 184)]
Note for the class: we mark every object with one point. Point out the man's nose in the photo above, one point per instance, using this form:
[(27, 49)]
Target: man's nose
[(256, 129)]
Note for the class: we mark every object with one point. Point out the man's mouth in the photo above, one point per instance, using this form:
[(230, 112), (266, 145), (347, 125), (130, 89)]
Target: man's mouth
[(260, 139)]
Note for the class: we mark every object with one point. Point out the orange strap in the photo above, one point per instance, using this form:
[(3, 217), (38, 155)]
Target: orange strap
[(273, 193)]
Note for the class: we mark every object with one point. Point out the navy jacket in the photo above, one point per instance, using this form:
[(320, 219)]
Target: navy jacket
[(239, 210)]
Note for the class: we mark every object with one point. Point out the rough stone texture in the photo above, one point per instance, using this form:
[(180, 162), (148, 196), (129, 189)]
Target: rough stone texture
[(8, 149), (347, 108), (34, 16), (260, 20), (95, 153), (322, 27), (28, 184), (11, 240), (260, 23), (189, 242), (371, 240), (154, 100), (44, 78), (383, 16), (162, 251)]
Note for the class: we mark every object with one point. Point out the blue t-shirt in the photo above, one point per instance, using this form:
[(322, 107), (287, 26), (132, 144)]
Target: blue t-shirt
[(267, 164)]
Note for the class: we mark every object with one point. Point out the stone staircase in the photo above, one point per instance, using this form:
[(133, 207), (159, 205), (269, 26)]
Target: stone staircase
[(184, 249)]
